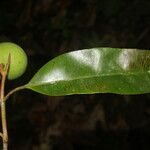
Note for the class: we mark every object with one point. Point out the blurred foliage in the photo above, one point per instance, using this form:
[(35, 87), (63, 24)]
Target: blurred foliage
[(47, 28), (51, 26)]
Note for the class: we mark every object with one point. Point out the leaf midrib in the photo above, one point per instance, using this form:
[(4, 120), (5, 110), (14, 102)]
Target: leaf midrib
[(85, 77)]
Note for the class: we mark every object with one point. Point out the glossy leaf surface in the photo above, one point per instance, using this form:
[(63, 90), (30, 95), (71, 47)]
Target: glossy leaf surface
[(96, 70)]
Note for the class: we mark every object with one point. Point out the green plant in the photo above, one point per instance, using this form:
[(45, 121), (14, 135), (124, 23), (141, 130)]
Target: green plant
[(88, 71)]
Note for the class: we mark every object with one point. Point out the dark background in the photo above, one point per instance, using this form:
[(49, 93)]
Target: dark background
[(48, 28)]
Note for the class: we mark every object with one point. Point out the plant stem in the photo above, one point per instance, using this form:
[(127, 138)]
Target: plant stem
[(3, 72), (3, 111)]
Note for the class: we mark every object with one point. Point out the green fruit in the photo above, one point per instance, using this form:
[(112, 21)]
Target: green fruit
[(18, 61)]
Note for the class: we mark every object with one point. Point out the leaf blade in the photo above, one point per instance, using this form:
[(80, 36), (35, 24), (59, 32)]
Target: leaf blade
[(96, 70)]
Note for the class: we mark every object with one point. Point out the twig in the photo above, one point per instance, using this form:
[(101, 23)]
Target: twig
[(3, 71)]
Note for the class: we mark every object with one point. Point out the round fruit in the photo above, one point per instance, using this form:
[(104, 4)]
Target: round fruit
[(18, 61)]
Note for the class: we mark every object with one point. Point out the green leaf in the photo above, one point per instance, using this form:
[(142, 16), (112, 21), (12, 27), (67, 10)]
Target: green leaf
[(96, 70)]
